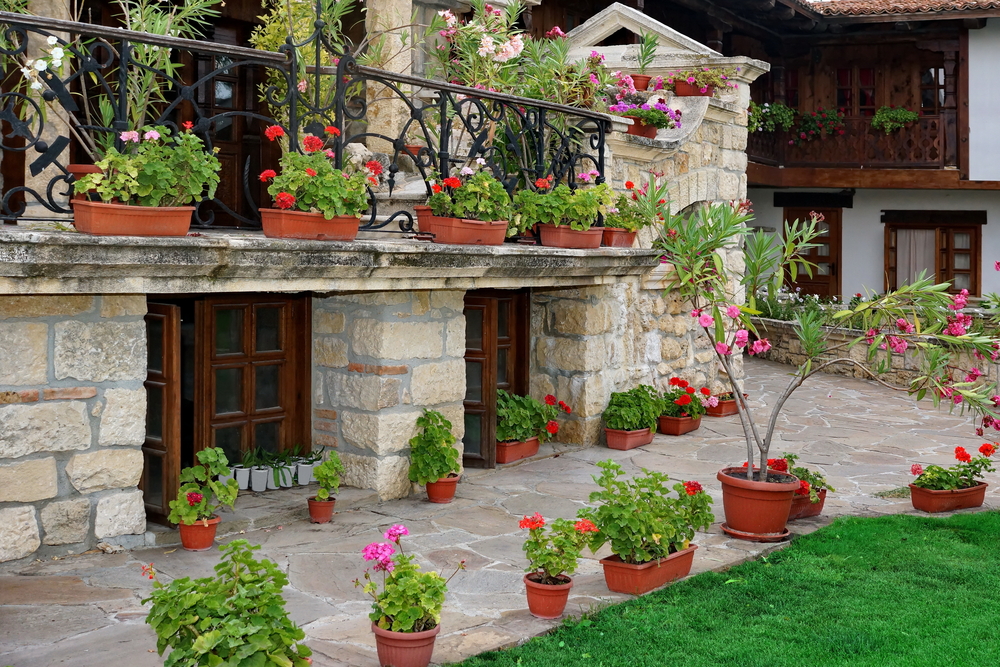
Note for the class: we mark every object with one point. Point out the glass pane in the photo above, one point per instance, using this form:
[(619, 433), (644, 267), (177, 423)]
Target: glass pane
[(927, 99), (230, 441), (961, 281), (963, 260), (823, 269), (223, 128), (267, 436), (823, 250), (844, 98), (503, 312), (228, 389), (473, 381), (267, 387), (223, 61), (473, 439), (154, 344), (268, 329), (152, 492), (474, 329), (224, 94), (866, 77), (915, 250), (927, 77), (154, 412), (229, 331), (502, 366), (963, 241), (844, 78), (867, 97), (823, 228)]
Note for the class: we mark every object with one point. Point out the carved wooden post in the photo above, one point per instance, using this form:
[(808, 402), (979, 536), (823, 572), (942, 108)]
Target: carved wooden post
[(778, 83), (949, 113)]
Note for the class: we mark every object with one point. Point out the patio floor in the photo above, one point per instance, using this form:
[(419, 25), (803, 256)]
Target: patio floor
[(84, 610)]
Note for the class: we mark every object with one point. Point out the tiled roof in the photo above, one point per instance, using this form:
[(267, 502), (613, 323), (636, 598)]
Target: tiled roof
[(888, 7)]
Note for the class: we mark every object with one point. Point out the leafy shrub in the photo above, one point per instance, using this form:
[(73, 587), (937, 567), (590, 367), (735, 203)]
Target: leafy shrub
[(562, 206), (891, 119), (200, 486), (554, 552), (328, 475), (522, 417), (478, 196), (432, 452), (633, 410)]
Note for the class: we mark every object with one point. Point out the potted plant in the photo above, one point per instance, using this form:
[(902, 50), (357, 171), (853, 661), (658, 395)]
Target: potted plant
[(891, 119), (237, 616), (650, 533), (647, 118), (523, 422), (810, 497), (564, 216), (433, 457), (312, 199), (721, 405), (307, 461), (631, 416), (254, 459), (819, 124), (702, 81), (406, 613), (241, 471), (647, 51), (470, 209), (328, 475), (938, 489), (633, 210), (769, 116), (682, 407), (552, 556), (920, 319), (195, 507), (282, 471), (148, 187)]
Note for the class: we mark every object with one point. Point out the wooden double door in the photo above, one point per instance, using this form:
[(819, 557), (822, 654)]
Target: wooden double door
[(826, 256), (223, 371)]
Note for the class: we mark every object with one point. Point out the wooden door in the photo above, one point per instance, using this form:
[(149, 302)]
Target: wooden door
[(161, 449), (825, 280)]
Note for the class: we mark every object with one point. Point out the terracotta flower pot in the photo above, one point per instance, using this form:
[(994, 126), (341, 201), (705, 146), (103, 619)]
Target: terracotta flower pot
[(103, 219), (685, 89), (280, 224), (756, 511), (802, 507), (200, 535), (413, 149), (641, 81), (460, 231), (625, 440), (547, 600), (638, 579), (931, 501), (78, 171), (321, 511), (563, 236), (638, 129), (678, 425), (618, 238), (443, 490), (508, 452), (724, 408), (404, 649)]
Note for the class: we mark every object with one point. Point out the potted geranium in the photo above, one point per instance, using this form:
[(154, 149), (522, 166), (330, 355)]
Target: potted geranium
[(650, 533), (433, 457), (564, 216), (470, 209), (702, 81), (938, 489), (640, 207), (552, 556), (682, 407), (327, 474), (200, 495), (147, 188), (631, 416), (523, 422), (810, 497), (312, 199), (647, 118), (406, 613), (723, 405)]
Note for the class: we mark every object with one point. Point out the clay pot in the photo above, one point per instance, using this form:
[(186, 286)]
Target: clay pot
[(547, 600), (618, 238), (724, 408), (641, 81), (443, 490), (802, 507), (927, 500), (563, 236), (625, 440), (678, 425), (404, 649), (685, 89), (78, 171), (103, 219), (639, 130), (280, 224), (508, 452), (321, 511), (460, 231), (413, 149), (638, 579), (756, 511), (200, 535)]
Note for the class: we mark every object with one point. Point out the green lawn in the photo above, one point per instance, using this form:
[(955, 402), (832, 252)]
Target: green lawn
[(891, 591)]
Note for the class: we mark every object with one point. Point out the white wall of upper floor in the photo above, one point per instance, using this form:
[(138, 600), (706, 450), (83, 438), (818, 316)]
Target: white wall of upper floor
[(984, 102)]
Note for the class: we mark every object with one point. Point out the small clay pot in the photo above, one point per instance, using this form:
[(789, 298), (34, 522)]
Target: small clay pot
[(638, 129), (618, 238), (321, 511), (405, 649), (443, 490), (625, 440), (685, 89), (678, 425), (508, 452), (802, 507), (547, 600), (641, 81), (564, 236), (200, 535)]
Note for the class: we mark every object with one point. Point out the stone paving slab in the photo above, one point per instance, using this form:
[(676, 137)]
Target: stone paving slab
[(86, 610)]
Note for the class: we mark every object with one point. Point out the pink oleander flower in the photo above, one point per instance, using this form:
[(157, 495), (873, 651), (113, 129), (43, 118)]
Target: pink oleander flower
[(741, 338), (395, 532), (706, 320), (960, 300), (973, 375), (903, 325), (897, 344), (760, 346), (712, 401), (722, 348), (733, 311), (996, 266), (696, 312), (128, 136), (916, 469), (302, 85)]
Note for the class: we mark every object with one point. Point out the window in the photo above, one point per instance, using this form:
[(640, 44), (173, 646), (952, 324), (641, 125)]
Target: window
[(931, 91), (946, 248), (792, 88), (856, 91)]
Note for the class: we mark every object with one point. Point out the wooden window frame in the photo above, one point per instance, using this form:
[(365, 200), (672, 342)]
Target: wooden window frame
[(855, 108), (937, 88), (946, 224)]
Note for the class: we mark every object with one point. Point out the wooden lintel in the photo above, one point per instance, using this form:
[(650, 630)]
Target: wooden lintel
[(761, 175)]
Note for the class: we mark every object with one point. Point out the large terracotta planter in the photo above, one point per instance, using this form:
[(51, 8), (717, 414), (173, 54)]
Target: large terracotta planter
[(756, 511), (678, 425), (927, 500), (443, 490), (460, 231), (638, 129), (404, 649), (547, 600), (280, 224), (78, 171), (563, 236), (103, 219), (641, 81), (320, 511), (625, 440), (618, 238), (685, 89), (200, 535), (802, 507), (638, 579), (724, 408), (508, 452)]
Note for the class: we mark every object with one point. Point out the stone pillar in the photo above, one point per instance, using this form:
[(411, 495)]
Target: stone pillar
[(387, 114), (380, 359)]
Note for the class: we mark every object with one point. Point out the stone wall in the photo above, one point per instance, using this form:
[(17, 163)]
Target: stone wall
[(72, 422), (380, 359)]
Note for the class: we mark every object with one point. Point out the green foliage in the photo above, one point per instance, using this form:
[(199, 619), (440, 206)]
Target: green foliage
[(163, 171), (647, 51), (548, 74), (562, 206), (817, 482), (480, 196), (822, 123), (328, 475), (683, 400), (554, 551), (655, 117), (889, 119), (432, 452), (962, 475), (236, 617), (638, 517), (470, 60), (772, 262), (769, 116), (633, 410), (644, 205), (200, 488), (705, 77), (330, 191), (522, 417)]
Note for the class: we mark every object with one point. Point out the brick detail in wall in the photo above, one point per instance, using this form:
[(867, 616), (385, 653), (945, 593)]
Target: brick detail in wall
[(69, 393), (377, 370)]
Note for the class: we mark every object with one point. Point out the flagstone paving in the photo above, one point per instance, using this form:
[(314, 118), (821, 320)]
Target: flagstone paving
[(85, 610)]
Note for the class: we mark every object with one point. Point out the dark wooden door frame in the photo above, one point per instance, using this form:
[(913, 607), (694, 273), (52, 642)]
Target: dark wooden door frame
[(834, 218), (167, 380)]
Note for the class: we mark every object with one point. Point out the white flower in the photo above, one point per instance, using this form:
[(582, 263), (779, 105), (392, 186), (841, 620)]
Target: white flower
[(36, 85), (52, 40), (56, 53), (41, 65), (481, 161), (27, 71), (56, 63)]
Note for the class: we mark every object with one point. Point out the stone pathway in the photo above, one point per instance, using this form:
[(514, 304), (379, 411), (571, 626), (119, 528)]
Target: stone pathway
[(84, 611)]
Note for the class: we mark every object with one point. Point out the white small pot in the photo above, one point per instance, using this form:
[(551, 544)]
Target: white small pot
[(242, 477), (271, 482), (305, 473), (258, 479), (285, 477)]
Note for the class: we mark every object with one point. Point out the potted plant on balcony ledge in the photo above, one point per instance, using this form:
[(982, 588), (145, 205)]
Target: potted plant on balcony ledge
[(892, 119), (471, 209), (194, 509), (433, 457), (647, 51), (702, 81), (640, 207), (647, 117), (564, 216)]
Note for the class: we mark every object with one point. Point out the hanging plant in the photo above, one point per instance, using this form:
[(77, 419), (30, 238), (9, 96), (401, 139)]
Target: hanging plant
[(890, 119), (768, 117), (818, 124)]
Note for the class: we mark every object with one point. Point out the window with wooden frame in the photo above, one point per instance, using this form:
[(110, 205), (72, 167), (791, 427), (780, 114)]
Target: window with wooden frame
[(946, 245), (931, 91), (856, 90)]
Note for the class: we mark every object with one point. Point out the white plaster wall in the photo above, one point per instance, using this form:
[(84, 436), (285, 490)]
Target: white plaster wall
[(984, 100), (862, 243)]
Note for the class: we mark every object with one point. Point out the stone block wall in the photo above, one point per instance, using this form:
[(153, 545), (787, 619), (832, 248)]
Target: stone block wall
[(72, 422), (380, 359)]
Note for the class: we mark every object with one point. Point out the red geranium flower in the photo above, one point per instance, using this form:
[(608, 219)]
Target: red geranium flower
[(564, 407), (585, 526), (330, 129), (375, 167), (986, 449), (194, 498), (552, 427), (284, 200), (532, 522), (550, 399), (692, 488), (452, 182), (373, 181), (187, 125), (542, 184), (274, 132), (781, 465), (683, 399), (689, 390), (705, 391), (312, 144), (674, 382), (962, 455), (310, 171), (267, 174), (629, 185), (682, 383), (803, 489), (436, 188)]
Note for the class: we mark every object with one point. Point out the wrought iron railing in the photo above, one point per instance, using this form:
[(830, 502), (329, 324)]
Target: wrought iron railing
[(519, 139)]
